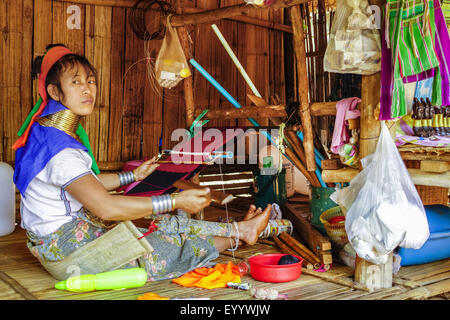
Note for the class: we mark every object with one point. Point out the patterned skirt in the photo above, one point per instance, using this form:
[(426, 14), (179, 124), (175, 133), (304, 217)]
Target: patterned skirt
[(180, 244)]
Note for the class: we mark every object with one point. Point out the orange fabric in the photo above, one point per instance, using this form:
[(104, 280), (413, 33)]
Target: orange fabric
[(152, 296), (50, 58), (210, 278)]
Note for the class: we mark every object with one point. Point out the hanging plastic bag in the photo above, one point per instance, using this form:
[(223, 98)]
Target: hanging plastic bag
[(355, 44), (171, 65), (384, 208)]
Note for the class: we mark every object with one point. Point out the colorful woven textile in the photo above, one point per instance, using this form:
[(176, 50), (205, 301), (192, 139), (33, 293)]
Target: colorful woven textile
[(393, 76)]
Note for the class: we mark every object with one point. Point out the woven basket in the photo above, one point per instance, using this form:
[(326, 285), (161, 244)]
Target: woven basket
[(336, 231)]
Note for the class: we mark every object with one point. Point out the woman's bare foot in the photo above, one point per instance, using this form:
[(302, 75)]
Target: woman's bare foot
[(249, 230), (252, 212)]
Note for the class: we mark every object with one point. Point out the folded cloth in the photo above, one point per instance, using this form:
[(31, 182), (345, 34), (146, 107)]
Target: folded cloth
[(345, 110), (405, 134), (210, 278)]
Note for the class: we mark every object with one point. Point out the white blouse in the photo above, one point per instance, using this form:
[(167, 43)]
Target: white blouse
[(46, 205)]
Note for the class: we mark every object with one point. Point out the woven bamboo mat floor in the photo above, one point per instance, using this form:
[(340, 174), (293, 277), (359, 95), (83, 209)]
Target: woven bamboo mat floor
[(22, 278)]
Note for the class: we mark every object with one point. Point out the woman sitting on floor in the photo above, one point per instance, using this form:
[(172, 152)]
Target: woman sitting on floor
[(65, 200)]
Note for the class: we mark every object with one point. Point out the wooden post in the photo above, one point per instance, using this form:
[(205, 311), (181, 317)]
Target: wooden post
[(303, 92), (366, 273), (187, 82), (188, 89)]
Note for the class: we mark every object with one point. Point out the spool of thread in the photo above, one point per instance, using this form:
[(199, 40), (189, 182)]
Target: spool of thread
[(244, 267), (275, 227)]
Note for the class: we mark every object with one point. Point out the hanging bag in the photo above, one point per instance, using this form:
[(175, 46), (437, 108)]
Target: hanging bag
[(171, 65), (383, 207), (354, 45)]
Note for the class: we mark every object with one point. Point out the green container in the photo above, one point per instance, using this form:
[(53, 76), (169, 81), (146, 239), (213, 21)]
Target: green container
[(271, 187), (320, 202)]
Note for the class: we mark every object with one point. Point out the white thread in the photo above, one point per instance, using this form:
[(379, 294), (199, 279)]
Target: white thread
[(226, 210)]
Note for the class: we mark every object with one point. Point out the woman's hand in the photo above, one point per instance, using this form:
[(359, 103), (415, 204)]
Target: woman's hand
[(193, 200), (145, 169)]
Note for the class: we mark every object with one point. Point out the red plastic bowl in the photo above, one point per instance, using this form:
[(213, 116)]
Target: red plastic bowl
[(264, 267)]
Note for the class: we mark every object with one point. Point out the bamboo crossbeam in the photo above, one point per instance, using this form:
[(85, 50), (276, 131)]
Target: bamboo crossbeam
[(323, 109), (418, 177), (106, 3), (340, 175), (188, 10), (227, 12), (244, 112)]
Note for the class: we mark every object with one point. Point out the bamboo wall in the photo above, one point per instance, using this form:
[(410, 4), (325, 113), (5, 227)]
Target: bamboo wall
[(129, 116)]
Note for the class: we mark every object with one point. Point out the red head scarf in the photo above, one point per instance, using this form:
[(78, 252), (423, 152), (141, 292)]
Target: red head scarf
[(50, 58)]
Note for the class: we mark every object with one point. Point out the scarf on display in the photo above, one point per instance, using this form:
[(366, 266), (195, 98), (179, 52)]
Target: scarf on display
[(38, 144)]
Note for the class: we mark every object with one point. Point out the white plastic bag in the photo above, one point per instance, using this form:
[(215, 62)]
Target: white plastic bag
[(384, 209), (355, 44)]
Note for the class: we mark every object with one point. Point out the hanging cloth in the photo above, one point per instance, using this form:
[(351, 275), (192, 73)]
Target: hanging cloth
[(409, 34), (440, 75)]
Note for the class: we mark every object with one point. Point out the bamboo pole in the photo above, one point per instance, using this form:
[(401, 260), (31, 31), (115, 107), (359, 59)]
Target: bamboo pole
[(303, 94), (235, 60), (292, 139), (285, 249), (327, 276), (424, 292), (298, 247), (16, 286), (244, 112)]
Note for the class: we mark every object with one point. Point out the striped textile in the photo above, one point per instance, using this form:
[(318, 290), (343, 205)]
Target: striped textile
[(410, 25), (392, 99), (446, 10)]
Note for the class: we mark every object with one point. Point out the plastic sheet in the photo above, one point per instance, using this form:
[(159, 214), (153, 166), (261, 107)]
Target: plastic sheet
[(355, 44), (383, 207)]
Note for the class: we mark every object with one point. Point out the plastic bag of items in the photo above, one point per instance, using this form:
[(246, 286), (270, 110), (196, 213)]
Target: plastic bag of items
[(171, 66), (384, 210), (355, 44)]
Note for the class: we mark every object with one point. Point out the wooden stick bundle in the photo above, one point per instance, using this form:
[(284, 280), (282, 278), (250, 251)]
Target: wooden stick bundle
[(290, 251), (298, 247)]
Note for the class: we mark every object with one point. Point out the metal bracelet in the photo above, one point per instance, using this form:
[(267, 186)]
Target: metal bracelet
[(126, 177), (162, 204)]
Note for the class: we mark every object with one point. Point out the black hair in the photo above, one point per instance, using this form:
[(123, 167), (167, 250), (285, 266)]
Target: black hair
[(67, 61)]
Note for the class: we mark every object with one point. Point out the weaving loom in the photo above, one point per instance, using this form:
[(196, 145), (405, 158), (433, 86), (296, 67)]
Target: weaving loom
[(197, 152)]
